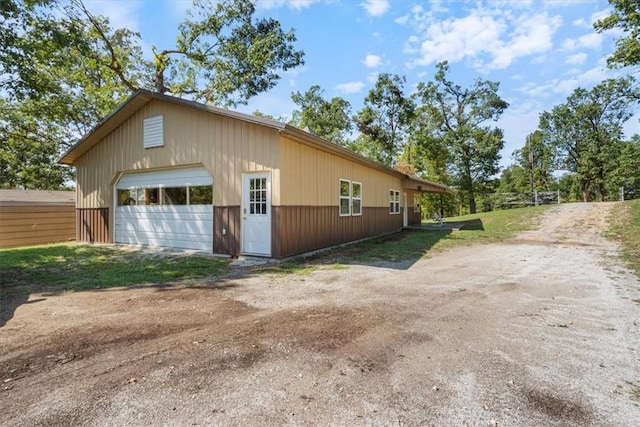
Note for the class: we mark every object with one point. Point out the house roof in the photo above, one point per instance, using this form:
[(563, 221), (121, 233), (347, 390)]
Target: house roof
[(142, 97), (36, 197)]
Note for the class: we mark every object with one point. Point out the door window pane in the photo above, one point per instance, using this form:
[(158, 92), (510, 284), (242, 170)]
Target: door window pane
[(258, 196)]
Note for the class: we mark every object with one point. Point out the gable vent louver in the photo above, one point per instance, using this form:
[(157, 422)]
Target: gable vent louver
[(153, 132)]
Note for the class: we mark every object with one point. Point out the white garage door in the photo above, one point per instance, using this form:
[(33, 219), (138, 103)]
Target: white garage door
[(169, 208)]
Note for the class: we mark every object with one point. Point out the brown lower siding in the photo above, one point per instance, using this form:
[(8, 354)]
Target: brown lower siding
[(415, 218), (92, 225), (226, 230), (34, 224), (299, 229)]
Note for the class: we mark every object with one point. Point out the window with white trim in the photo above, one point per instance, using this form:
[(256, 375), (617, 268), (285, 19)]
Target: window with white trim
[(394, 202), (350, 199), (345, 197), (417, 201), (356, 198)]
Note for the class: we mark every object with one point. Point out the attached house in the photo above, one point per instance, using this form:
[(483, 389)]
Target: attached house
[(163, 171)]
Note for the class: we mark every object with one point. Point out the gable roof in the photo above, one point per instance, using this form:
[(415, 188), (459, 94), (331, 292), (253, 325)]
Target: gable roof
[(142, 97)]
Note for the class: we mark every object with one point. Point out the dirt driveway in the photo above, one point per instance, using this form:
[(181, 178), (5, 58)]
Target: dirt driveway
[(539, 331)]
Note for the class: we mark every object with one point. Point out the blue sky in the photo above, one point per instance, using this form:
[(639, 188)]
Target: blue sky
[(539, 51)]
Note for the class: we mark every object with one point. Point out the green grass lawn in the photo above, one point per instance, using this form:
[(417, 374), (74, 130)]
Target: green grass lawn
[(411, 245), (624, 226), (73, 267)]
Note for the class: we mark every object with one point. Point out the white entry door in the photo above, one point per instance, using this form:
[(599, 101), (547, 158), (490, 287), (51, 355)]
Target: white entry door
[(256, 213)]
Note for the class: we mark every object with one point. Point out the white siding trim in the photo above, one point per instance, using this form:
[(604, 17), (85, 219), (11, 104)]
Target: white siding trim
[(153, 132)]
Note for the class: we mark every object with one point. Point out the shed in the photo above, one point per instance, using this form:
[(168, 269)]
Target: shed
[(164, 171), (29, 217)]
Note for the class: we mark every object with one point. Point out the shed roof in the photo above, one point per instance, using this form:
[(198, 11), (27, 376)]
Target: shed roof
[(36, 197), (142, 97)]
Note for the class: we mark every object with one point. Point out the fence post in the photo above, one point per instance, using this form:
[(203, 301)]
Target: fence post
[(558, 196), (622, 194)]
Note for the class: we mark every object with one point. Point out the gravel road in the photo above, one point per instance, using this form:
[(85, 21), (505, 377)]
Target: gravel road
[(542, 330)]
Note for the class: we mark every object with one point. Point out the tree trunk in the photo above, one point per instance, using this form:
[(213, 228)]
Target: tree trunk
[(472, 203), (469, 181), (160, 88)]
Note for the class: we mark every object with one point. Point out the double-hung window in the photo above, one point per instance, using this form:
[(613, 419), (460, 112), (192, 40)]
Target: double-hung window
[(345, 197), (356, 198), (394, 202), (350, 202)]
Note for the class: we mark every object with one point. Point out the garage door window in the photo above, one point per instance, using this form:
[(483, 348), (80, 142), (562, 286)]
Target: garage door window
[(126, 197), (174, 196), (201, 195)]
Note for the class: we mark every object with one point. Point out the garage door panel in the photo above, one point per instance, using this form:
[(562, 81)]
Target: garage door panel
[(170, 242), (128, 236), (166, 216), (165, 226), (177, 226)]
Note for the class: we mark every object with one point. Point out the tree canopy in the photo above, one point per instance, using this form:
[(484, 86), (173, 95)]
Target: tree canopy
[(625, 17), (385, 119), (63, 69), (456, 117), (586, 133), (328, 119)]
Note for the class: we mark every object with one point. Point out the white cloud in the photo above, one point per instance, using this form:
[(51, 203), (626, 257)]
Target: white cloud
[(599, 15), (376, 7), (564, 86), (577, 59), (580, 22), (373, 77), (532, 35), (402, 20), (491, 40), (588, 41), (350, 87), (454, 39), (372, 61), (291, 4)]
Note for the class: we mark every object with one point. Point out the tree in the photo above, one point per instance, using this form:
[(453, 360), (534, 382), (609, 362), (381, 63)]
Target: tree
[(62, 70), (626, 17), (455, 118), (57, 83), (223, 55), (585, 133), (536, 157), (627, 171), (328, 119), (384, 120)]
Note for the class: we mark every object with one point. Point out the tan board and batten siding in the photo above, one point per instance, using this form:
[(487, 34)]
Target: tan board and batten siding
[(225, 146), (304, 172)]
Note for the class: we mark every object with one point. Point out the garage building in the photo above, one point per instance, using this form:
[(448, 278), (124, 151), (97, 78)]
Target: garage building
[(163, 171)]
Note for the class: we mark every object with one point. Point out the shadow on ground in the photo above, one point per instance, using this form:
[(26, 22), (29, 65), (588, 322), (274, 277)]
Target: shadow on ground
[(58, 269)]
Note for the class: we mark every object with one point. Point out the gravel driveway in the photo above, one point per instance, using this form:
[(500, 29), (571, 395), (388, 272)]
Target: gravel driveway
[(542, 330)]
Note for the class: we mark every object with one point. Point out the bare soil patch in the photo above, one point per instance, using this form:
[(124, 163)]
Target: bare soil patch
[(540, 330)]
